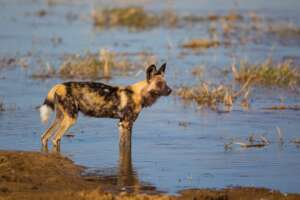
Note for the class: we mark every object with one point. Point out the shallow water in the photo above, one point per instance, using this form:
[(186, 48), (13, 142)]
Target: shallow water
[(165, 155)]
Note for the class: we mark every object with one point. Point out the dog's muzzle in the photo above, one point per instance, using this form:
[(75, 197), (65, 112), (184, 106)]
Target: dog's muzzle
[(169, 90)]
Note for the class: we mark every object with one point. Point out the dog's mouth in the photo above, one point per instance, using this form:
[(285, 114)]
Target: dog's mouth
[(166, 92), (155, 93)]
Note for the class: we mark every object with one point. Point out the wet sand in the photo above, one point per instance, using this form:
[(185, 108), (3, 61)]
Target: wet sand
[(35, 175)]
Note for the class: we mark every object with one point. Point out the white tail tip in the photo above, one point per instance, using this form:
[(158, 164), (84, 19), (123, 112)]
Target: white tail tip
[(45, 112)]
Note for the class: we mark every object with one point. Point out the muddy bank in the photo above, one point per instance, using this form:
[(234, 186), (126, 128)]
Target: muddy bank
[(34, 175)]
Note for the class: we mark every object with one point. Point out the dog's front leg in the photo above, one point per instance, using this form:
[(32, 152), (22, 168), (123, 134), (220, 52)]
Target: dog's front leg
[(125, 128)]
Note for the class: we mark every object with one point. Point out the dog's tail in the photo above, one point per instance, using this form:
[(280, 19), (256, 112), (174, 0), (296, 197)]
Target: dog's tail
[(48, 105)]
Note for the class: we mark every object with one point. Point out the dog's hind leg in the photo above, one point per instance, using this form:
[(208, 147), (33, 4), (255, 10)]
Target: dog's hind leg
[(47, 134), (66, 123)]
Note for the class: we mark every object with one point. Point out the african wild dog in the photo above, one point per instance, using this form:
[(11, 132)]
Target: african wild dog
[(100, 100)]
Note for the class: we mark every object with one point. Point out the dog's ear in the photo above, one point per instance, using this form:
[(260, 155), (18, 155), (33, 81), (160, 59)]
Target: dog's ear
[(150, 72), (162, 69)]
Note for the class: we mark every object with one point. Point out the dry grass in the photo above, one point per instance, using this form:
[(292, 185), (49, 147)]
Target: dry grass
[(268, 74), (201, 43), (138, 18), (285, 30), (211, 96), (105, 64), (86, 67), (95, 66), (206, 95), (231, 16), (134, 17), (44, 72)]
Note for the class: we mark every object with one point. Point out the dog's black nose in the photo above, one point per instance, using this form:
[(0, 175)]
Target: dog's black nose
[(169, 91)]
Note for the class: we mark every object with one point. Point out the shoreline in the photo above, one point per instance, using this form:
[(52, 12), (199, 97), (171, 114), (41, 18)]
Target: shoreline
[(36, 175)]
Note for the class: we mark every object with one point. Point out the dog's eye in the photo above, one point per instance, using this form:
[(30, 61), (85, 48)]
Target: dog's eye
[(159, 84)]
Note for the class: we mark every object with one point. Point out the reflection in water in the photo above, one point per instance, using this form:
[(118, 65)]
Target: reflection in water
[(126, 176), (123, 177)]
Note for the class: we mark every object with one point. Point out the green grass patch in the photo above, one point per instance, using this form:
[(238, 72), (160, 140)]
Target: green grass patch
[(268, 73)]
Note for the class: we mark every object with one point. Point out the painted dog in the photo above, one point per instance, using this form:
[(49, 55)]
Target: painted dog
[(100, 100)]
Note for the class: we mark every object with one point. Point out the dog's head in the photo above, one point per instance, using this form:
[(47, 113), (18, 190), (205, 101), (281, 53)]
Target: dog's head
[(157, 84)]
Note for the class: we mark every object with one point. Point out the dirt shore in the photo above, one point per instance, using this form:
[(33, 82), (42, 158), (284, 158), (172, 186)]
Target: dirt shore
[(34, 175)]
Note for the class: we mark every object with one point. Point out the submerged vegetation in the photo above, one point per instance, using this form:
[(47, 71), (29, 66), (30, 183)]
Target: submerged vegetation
[(268, 74)]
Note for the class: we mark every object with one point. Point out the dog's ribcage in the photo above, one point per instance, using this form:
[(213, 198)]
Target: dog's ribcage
[(95, 99)]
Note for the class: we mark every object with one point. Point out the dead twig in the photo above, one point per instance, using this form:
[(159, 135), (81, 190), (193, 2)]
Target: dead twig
[(246, 145)]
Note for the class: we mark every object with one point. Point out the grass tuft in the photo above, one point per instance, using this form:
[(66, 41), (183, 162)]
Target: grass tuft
[(201, 43), (135, 17), (44, 72), (210, 96), (105, 64), (268, 74), (87, 67)]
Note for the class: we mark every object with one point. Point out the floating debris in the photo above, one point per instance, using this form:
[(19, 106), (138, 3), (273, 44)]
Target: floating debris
[(296, 141), (184, 124), (69, 135), (41, 13), (6, 62), (249, 145), (2, 109), (56, 40), (252, 142)]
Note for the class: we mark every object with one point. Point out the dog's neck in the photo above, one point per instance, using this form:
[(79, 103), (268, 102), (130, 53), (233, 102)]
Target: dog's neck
[(142, 95)]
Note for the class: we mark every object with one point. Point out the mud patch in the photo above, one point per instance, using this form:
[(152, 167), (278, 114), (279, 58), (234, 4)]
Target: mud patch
[(33, 175)]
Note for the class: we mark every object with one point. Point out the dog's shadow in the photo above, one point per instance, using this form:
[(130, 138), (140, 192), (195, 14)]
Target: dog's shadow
[(122, 178)]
